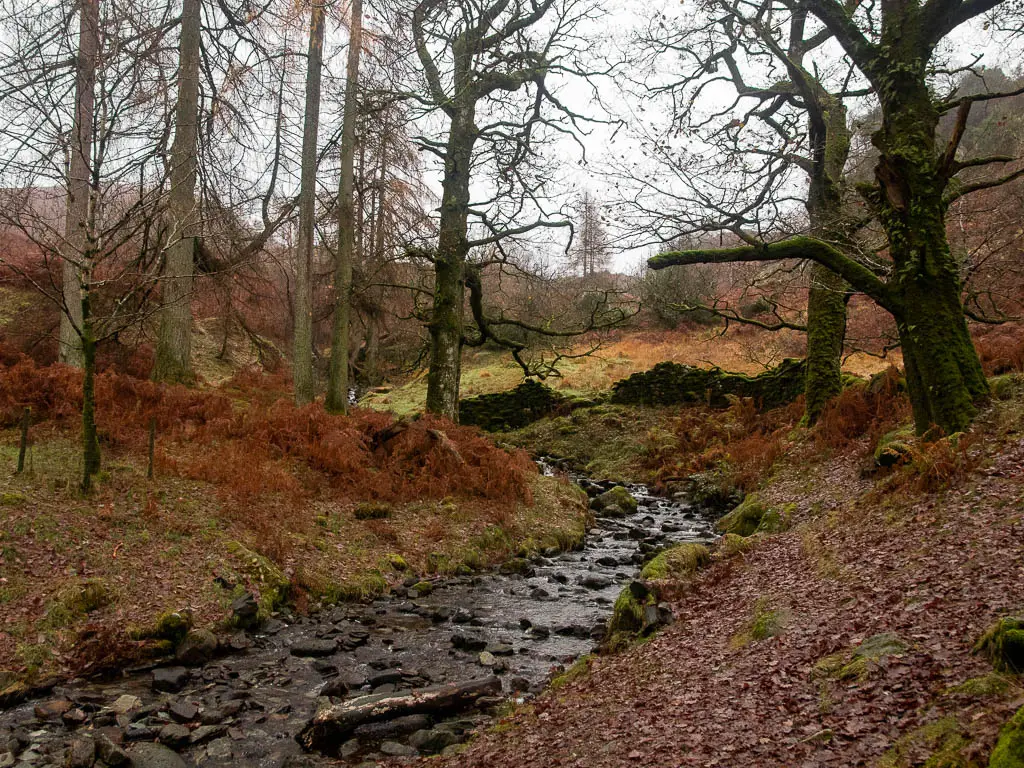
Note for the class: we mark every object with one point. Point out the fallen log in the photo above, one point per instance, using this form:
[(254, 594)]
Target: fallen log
[(333, 724)]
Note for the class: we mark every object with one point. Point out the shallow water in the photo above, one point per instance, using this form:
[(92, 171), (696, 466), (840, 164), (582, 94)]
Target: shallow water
[(255, 701)]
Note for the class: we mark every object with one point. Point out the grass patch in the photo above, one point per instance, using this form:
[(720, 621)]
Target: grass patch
[(766, 622)]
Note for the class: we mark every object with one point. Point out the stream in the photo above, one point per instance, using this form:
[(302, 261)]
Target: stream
[(246, 708)]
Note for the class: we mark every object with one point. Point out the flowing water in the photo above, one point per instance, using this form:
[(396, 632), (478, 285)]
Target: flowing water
[(245, 709)]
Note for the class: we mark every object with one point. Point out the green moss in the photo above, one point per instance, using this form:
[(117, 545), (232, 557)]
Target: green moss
[(858, 663), (628, 618), (75, 602), (943, 741), (519, 565), (745, 518), (274, 587), (423, 588), (171, 626), (990, 685), (1009, 751), (732, 544), (578, 669), (766, 622), (372, 510), (360, 588), (397, 562), (1007, 386), (1003, 645), (776, 520), (619, 496), (12, 499), (677, 562), (895, 447)]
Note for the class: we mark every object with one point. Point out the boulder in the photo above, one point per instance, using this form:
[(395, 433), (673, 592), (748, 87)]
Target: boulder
[(309, 647), (432, 741), (745, 518), (618, 496), (81, 753), (678, 562), (1009, 751), (148, 755), (198, 647), (174, 735), (245, 611), (1003, 645), (170, 679)]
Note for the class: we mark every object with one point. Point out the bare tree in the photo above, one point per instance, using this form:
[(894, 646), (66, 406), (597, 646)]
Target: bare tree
[(302, 352), (590, 252)]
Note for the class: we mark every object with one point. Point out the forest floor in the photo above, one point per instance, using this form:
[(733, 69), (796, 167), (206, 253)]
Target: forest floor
[(918, 562)]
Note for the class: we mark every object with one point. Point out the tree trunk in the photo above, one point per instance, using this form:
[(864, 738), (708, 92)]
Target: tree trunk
[(174, 339), (302, 354), (828, 293), (337, 384), (90, 440), (449, 270), (76, 224), (826, 332), (944, 375)]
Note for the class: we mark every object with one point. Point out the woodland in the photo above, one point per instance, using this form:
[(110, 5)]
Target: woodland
[(511, 382)]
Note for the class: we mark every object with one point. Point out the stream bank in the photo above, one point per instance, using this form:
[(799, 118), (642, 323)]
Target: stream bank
[(516, 625)]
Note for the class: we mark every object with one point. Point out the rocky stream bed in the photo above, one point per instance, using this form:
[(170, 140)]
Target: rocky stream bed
[(464, 647)]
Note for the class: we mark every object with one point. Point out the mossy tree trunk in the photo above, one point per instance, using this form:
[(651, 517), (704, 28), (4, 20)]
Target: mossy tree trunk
[(826, 333), (446, 320), (174, 338)]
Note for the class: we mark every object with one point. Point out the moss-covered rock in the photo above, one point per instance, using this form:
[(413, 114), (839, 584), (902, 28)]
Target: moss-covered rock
[(895, 448), (938, 744), (274, 587), (619, 497), (171, 626), (672, 384), (776, 520), (1003, 645), (677, 562), (397, 562), (75, 602), (631, 615), (1007, 386), (422, 588), (745, 518), (517, 565), (714, 492), (1009, 751)]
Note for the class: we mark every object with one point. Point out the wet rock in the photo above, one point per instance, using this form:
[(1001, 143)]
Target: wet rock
[(198, 647), (594, 581), (205, 733), (616, 497), (466, 642), (51, 711), (182, 711), (395, 749), (174, 735), (313, 647), (140, 732), (81, 753), (519, 684), (487, 659), (608, 561), (219, 749), (170, 679), (462, 616), (432, 741), (74, 718), (500, 649), (245, 611), (573, 630), (559, 578), (154, 756), (335, 687), (539, 594), (212, 716), (110, 752), (539, 632)]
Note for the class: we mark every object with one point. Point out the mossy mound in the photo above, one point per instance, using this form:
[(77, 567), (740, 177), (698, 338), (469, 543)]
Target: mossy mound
[(677, 562), (172, 627), (673, 384), (75, 602), (745, 518), (1007, 386), (1003, 645), (731, 545), (1009, 751), (895, 448), (397, 562), (714, 492), (939, 744), (631, 614), (857, 665), (502, 411), (372, 510)]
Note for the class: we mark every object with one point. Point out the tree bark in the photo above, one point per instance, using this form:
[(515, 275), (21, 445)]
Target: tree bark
[(826, 333), (944, 375), (302, 353), (337, 384), (174, 338), (332, 725), (90, 439), (449, 270), (77, 220)]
